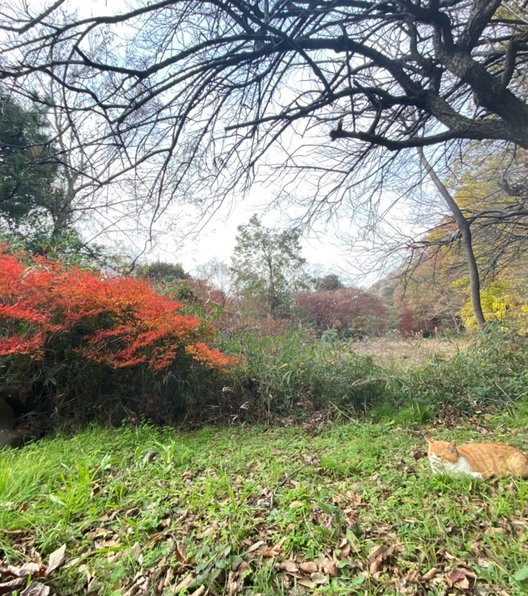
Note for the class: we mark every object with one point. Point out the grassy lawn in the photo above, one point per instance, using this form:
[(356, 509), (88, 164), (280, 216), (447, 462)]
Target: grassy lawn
[(351, 510)]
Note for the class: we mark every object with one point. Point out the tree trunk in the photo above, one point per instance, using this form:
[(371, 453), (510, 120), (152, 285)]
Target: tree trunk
[(467, 241)]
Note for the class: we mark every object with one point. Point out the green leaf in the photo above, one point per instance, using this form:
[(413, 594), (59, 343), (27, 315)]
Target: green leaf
[(522, 574)]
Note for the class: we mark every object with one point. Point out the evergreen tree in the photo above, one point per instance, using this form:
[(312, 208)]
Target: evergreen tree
[(27, 166), (267, 265)]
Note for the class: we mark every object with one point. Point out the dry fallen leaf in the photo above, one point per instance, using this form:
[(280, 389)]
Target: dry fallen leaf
[(412, 576), (345, 552), (459, 578), (318, 579), (329, 567), (185, 583), (11, 585), (56, 559), (296, 504), (255, 546), (306, 583), (308, 567), (36, 589), (270, 553), (433, 572), (377, 551), (377, 557), (288, 566), (24, 570)]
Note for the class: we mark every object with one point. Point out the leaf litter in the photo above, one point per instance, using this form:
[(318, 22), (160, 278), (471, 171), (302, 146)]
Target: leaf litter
[(217, 532)]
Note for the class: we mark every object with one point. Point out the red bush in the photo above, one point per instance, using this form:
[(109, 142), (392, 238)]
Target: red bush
[(120, 322), (347, 309)]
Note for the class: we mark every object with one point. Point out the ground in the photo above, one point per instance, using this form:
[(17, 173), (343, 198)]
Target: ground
[(395, 350), (351, 509)]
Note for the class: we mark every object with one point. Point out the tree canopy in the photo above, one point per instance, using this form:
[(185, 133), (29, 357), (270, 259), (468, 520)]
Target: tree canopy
[(217, 83), (267, 265), (27, 165)]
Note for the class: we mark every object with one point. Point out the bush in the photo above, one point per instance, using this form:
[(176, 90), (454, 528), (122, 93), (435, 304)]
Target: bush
[(489, 374), (293, 374), (347, 310), (90, 340)]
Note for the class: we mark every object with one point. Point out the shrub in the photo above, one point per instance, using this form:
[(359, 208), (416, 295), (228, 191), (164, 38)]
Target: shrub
[(503, 303), (66, 325), (490, 374), (294, 374), (348, 310)]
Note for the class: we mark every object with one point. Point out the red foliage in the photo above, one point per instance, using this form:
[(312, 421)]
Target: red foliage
[(347, 309), (410, 322), (120, 322)]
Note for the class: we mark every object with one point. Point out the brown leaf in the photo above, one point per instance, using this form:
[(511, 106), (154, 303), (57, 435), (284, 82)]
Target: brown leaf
[(459, 578), (180, 552), (433, 572), (377, 556), (375, 566), (306, 583), (318, 578), (288, 566), (255, 546), (274, 551), (308, 567), (185, 583), (56, 559), (296, 504), (463, 584), (330, 567), (345, 552), (18, 582), (98, 533), (108, 543), (270, 553), (36, 589), (24, 570), (412, 576), (377, 551)]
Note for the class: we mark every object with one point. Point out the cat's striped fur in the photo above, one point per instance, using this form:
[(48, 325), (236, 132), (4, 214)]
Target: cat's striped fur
[(481, 460)]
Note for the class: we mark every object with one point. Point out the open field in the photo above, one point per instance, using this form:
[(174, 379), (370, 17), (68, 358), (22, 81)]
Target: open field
[(405, 353), (351, 510)]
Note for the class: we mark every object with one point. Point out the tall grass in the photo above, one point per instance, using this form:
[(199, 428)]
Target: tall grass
[(295, 374), (491, 373)]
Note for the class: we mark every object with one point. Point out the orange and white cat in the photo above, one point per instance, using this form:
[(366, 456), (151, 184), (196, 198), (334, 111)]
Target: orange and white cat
[(480, 460)]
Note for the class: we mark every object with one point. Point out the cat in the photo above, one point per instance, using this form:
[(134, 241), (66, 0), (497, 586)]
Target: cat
[(479, 460)]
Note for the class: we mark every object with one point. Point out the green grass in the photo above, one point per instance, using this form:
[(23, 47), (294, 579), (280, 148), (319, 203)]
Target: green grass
[(226, 508)]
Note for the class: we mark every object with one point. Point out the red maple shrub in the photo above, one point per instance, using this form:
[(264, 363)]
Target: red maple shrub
[(121, 322), (50, 313)]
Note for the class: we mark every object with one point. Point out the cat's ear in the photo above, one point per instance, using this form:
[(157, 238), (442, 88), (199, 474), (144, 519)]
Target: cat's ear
[(428, 438), (452, 446)]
